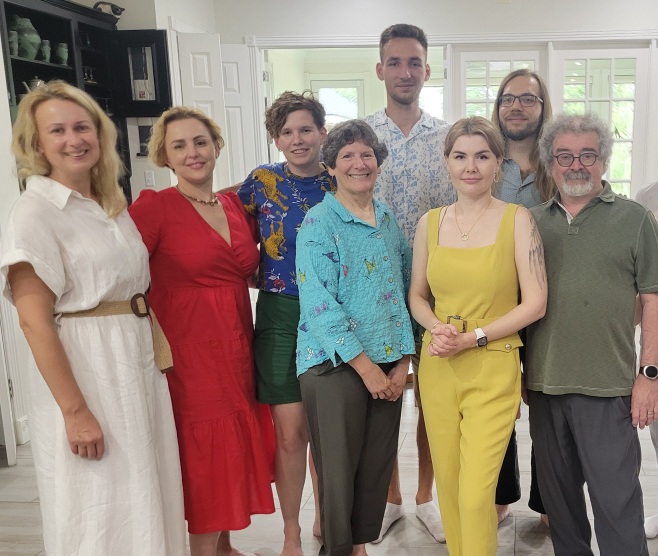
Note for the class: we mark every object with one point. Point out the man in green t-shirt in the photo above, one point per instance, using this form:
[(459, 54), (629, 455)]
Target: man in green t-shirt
[(584, 391)]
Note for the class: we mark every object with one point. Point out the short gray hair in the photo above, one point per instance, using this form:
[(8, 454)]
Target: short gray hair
[(349, 132), (578, 124)]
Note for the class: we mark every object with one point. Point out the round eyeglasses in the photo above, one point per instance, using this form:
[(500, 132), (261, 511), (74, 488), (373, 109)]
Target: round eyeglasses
[(526, 100), (566, 159)]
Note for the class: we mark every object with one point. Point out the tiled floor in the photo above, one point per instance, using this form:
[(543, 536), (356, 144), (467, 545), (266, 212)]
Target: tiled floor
[(520, 535)]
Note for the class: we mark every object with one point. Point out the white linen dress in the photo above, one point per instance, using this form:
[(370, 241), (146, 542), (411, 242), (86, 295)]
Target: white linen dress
[(130, 502)]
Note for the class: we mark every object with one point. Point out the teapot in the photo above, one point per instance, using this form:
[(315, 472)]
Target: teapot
[(33, 83)]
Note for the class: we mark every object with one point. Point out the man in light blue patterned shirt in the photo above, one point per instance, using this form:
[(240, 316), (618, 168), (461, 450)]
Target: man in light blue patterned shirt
[(522, 108), (413, 180)]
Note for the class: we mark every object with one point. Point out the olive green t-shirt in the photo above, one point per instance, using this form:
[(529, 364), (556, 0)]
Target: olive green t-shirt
[(596, 265)]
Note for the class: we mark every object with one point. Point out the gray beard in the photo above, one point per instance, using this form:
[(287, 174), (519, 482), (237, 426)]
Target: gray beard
[(577, 190)]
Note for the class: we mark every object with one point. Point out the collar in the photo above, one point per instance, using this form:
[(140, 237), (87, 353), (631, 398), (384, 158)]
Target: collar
[(346, 216), (51, 190), (380, 118)]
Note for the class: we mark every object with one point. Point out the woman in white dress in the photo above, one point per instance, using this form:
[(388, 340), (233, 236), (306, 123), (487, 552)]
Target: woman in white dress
[(103, 434)]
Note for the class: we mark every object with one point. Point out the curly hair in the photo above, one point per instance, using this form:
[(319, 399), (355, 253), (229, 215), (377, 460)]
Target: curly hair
[(288, 102), (156, 146), (543, 180), (578, 124), (31, 162), (346, 133)]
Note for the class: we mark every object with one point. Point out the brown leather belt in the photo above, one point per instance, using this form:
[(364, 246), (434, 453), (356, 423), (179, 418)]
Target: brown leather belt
[(137, 305)]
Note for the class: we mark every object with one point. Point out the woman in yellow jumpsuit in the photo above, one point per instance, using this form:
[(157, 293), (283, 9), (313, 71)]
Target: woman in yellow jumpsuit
[(471, 260)]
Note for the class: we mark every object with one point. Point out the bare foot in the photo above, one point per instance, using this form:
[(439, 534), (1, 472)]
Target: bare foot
[(503, 512), (292, 548), (544, 520), (359, 550)]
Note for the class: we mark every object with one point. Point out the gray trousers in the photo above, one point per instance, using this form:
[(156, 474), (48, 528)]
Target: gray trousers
[(353, 441), (585, 439)]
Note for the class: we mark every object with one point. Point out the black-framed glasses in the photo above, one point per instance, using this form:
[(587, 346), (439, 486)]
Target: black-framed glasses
[(566, 159), (526, 100)]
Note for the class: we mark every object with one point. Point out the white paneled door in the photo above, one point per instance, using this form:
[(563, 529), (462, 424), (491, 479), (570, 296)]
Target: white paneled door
[(200, 61), (244, 109)]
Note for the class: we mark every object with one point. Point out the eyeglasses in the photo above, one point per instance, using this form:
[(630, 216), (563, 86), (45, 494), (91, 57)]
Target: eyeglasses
[(527, 100), (566, 159)]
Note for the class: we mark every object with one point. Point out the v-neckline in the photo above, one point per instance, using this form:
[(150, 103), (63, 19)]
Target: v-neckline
[(228, 242)]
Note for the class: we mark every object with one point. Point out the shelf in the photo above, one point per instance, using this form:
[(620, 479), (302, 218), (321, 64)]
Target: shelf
[(40, 63), (94, 51), (95, 86)]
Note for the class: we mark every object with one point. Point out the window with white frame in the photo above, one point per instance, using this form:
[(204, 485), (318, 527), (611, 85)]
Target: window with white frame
[(612, 84), (482, 74)]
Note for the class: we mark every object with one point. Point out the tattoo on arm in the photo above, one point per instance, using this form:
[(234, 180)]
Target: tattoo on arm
[(536, 253)]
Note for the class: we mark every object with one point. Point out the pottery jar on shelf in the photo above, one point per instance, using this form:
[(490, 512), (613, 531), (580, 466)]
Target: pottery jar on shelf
[(61, 53), (28, 37)]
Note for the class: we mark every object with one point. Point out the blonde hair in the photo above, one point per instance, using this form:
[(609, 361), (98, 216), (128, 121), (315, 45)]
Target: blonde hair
[(31, 162), (156, 147)]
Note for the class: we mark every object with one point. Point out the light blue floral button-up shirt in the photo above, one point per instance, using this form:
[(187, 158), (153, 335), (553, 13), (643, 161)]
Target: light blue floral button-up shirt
[(414, 176), (353, 281)]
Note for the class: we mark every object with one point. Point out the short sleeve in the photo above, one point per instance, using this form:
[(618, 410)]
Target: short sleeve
[(29, 238), (148, 212), (646, 262), (247, 194)]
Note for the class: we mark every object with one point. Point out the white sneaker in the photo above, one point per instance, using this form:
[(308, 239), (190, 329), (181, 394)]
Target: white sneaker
[(393, 513), (651, 527), (429, 516)]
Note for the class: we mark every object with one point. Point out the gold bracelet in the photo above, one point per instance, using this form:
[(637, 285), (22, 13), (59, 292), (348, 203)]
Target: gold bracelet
[(434, 326)]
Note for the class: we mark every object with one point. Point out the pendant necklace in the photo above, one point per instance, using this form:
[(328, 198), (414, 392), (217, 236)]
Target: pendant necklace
[(466, 234), (214, 201)]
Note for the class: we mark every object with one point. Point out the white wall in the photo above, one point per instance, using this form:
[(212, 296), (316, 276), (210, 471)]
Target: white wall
[(287, 70), (441, 17), (199, 14)]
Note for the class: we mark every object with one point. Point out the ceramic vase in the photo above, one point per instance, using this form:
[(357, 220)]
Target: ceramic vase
[(44, 51), (13, 43), (61, 53), (28, 38)]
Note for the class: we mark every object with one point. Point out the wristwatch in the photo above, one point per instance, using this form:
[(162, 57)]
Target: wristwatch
[(650, 371), (481, 340)]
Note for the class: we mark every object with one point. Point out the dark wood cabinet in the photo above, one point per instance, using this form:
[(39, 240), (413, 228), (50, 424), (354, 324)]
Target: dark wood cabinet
[(127, 72)]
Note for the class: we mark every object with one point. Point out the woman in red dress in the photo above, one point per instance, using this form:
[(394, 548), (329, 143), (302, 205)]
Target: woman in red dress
[(203, 254)]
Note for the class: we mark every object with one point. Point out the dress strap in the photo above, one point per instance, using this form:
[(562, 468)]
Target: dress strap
[(506, 227), (434, 218)]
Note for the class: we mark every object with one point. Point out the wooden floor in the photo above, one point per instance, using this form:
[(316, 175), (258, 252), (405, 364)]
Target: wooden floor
[(520, 535)]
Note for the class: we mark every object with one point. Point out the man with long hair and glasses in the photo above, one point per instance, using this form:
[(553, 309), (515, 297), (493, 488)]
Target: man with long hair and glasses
[(521, 110)]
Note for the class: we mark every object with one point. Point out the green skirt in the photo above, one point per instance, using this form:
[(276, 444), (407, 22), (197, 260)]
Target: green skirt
[(275, 345)]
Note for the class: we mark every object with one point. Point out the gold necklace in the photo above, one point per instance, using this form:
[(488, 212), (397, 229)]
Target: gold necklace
[(214, 201), (465, 234)]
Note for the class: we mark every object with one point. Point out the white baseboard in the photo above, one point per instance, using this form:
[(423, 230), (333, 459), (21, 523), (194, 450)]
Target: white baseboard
[(22, 428)]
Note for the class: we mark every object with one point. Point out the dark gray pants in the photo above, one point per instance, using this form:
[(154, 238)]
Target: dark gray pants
[(353, 441), (585, 439)]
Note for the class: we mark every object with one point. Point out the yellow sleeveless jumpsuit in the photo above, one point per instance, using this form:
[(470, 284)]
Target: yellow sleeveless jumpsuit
[(470, 400)]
